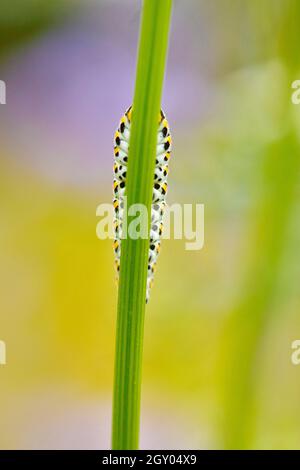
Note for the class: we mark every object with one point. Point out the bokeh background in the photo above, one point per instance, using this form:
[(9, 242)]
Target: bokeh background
[(217, 357)]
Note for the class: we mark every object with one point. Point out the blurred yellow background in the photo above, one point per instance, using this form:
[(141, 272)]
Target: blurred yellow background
[(220, 323)]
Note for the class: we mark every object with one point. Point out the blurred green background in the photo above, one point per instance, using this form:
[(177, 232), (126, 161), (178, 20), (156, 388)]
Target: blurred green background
[(219, 327)]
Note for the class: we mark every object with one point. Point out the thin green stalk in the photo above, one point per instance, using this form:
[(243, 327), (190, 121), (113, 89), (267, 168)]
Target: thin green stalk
[(152, 53), (247, 323)]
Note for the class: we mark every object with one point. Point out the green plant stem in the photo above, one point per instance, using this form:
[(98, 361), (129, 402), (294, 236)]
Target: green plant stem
[(152, 53), (246, 326)]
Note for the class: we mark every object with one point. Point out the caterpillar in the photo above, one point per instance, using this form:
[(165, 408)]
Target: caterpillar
[(160, 188)]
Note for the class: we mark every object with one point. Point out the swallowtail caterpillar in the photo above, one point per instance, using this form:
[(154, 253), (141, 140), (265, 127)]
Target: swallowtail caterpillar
[(160, 187)]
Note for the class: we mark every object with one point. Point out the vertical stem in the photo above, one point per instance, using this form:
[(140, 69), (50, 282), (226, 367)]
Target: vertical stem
[(246, 326), (152, 53)]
